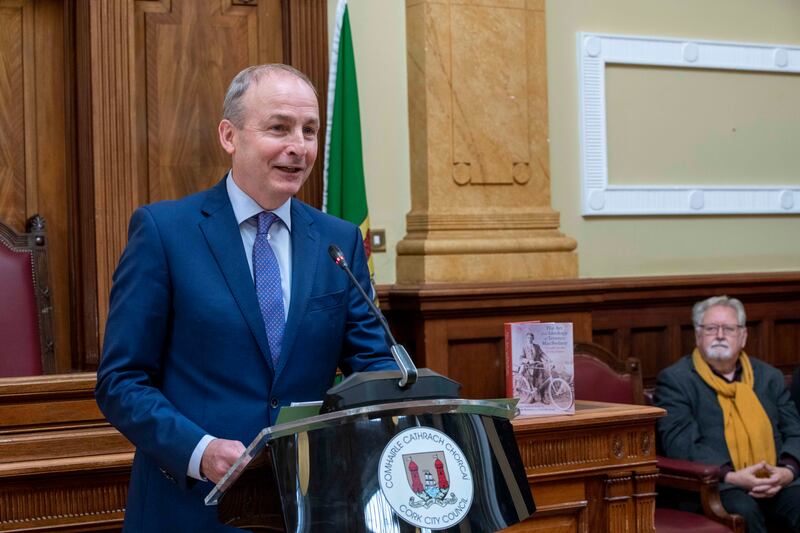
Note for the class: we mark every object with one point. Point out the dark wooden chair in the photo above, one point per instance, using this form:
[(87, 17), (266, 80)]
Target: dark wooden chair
[(26, 330), (600, 376)]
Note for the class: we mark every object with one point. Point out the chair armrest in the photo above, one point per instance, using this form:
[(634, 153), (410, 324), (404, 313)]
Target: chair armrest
[(680, 468), (702, 479)]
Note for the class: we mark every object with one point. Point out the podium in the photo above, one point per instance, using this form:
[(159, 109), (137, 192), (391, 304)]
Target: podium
[(439, 465)]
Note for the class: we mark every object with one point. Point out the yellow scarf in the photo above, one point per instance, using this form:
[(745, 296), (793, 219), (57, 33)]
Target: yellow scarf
[(748, 431)]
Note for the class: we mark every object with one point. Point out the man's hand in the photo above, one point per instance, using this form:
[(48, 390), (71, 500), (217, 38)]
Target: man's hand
[(748, 477), (779, 477), (219, 456), (761, 480)]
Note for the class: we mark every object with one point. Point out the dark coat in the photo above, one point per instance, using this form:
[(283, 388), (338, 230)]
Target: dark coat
[(693, 427)]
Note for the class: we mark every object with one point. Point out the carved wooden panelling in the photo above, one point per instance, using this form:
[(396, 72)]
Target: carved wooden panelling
[(644, 502), (633, 444), (619, 517), (114, 169), (60, 447), (12, 109), (555, 452), (160, 69), (578, 475), (31, 414), (787, 343), (79, 499), (61, 465), (107, 105), (485, 373), (457, 329), (34, 171), (189, 55)]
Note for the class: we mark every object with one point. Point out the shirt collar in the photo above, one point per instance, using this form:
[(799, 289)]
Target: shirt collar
[(737, 374), (245, 208)]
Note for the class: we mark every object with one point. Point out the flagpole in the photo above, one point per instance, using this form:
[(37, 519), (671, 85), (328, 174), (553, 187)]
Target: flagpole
[(333, 64)]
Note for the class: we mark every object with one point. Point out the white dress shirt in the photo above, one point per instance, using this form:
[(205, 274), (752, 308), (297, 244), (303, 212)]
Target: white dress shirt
[(245, 209)]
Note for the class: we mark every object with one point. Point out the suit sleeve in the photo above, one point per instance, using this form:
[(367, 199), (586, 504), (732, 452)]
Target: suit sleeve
[(678, 431), (365, 347), (136, 336), (794, 389), (788, 418)]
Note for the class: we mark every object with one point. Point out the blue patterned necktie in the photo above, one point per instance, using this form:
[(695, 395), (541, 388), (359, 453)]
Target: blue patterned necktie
[(267, 276)]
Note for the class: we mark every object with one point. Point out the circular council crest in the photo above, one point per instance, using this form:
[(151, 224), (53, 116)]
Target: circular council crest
[(426, 478)]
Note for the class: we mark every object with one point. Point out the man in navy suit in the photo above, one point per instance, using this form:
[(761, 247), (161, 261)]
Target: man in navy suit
[(191, 367)]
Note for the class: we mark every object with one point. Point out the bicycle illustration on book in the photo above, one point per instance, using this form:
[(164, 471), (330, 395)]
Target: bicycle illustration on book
[(536, 380)]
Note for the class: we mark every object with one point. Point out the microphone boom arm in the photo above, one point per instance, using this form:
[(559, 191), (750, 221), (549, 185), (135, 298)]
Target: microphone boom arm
[(407, 367)]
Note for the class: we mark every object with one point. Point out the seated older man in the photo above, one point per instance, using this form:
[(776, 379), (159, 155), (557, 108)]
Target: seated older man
[(729, 409)]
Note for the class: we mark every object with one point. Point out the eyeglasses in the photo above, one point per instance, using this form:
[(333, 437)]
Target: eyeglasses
[(712, 329)]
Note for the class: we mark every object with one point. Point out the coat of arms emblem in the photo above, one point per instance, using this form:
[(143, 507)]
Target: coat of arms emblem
[(428, 478)]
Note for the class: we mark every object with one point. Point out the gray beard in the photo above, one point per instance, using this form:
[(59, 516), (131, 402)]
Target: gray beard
[(720, 354)]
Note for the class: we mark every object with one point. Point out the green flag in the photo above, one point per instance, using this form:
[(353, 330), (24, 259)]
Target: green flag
[(345, 194)]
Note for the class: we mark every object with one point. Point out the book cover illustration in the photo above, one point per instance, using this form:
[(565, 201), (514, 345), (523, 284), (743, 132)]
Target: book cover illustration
[(540, 367)]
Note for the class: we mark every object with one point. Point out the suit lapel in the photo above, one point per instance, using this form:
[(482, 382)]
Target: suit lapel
[(223, 237), (305, 253)]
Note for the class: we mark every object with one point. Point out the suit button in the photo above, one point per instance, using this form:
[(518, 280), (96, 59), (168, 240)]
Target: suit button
[(168, 475), (274, 403)]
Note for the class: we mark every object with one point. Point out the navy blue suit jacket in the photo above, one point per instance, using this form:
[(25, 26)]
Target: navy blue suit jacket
[(186, 352)]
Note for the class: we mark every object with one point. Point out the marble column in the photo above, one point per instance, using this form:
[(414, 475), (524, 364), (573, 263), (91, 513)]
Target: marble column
[(480, 178)]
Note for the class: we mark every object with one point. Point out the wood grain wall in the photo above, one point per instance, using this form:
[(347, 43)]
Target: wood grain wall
[(34, 144), (458, 329), (108, 105), (62, 467)]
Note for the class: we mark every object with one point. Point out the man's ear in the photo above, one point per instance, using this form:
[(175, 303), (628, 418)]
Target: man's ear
[(227, 134)]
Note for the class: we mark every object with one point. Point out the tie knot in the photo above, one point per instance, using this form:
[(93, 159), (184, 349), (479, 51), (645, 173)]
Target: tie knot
[(265, 220)]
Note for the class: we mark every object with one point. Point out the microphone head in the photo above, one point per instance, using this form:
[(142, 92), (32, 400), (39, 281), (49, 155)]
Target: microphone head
[(336, 254)]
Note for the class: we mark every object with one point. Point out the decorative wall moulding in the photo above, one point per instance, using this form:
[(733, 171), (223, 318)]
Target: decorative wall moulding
[(595, 52)]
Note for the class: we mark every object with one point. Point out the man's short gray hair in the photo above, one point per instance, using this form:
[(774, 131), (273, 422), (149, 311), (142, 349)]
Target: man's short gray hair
[(232, 109), (700, 309)]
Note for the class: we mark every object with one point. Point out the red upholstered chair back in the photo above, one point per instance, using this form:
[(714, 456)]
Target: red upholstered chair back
[(26, 345), (600, 377)]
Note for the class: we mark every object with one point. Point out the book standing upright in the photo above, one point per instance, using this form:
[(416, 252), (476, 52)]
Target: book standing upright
[(540, 367)]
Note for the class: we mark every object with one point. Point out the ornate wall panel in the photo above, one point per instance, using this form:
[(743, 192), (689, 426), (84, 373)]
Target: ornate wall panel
[(305, 46), (159, 72), (500, 130), (114, 167), (52, 173), (33, 142), (589, 471), (62, 467), (12, 109), (107, 105), (458, 329), (187, 53), (480, 184)]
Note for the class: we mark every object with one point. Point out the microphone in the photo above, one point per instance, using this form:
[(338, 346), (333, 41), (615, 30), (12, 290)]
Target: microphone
[(407, 367), (369, 388)]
